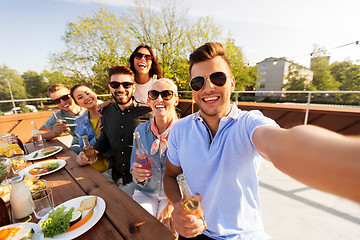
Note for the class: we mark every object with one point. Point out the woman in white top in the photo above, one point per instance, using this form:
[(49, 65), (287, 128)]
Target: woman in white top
[(143, 63)]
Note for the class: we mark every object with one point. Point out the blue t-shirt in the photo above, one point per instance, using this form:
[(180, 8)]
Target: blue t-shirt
[(223, 169), (70, 120)]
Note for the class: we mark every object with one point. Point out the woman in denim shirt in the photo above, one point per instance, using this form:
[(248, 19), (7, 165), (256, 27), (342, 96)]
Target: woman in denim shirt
[(149, 193), (90, 122)]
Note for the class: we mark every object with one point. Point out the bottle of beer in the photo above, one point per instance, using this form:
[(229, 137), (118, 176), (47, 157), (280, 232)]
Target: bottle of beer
[(141, 155), (89, 149), (190, 203)]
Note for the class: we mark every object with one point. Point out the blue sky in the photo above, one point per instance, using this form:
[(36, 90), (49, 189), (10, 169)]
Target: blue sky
[(32, 29)]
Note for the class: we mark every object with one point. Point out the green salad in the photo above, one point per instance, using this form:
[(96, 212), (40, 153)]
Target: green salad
[(58, 222), (52, 166)]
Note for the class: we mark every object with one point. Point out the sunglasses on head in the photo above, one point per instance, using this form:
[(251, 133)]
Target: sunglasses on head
[(125, 85), (64, 98), (165, 95), (139, 56), (217, 78)]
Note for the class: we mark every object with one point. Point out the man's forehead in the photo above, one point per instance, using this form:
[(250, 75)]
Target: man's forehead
[(122, 78), (59, 93), (205, 68)]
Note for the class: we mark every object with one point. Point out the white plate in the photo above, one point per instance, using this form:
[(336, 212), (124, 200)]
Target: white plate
[(40, 156), (26, 170), (75, 202), (38, 234)]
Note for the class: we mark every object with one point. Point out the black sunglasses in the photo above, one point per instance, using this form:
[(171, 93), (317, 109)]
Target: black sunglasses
[(166, 95), (125, 85), (139, 56), (64, 98), (217, 78)]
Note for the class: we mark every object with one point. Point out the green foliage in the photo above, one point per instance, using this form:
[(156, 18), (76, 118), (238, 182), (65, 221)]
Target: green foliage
[(323, 79), (245, 77), (348, 75), (93, 44), (35, 84), (296, 81), (16, 84)]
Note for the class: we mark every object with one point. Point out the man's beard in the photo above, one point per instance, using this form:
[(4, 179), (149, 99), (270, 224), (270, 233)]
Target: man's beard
[(120, 101)]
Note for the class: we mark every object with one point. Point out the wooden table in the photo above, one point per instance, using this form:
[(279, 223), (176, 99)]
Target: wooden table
[(121, 212)]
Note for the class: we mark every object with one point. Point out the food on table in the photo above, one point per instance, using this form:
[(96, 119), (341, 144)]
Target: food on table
[(36, 154), (10, 149), (24, 234), (76, 217), (48, 151), (33, 184), (8, 233), (82, 221), (87, 203), (58, 222), (4, 170), (45, 167)]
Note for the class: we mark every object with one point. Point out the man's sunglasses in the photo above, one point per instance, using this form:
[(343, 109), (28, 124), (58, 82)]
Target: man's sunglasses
[(125, 85), (64, 98), (217, 78), (139, 56), (166, 95)]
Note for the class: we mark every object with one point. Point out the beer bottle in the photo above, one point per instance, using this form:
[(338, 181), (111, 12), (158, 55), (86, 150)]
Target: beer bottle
[(141, 155), (89, 149), (190, 203)]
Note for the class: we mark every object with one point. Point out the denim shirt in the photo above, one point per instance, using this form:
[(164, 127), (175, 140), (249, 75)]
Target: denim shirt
[(153, 186), (83, 127)]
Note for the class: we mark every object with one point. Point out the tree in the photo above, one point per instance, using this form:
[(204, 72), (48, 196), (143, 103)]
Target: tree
[(322, 79), (348, 75), (296, 81), (170, 33), (93, 44), (245, 77), (35, 84), (16, 84)]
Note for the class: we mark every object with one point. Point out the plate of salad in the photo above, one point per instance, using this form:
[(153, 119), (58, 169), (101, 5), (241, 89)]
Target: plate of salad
[(72, 218), (43, 168), (44, 153), (26, 230)]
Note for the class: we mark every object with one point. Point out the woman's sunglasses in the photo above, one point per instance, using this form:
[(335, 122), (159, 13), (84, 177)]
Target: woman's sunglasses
[(139, 56), (217, 78), (125, 85), (166, 95), (64, 98)]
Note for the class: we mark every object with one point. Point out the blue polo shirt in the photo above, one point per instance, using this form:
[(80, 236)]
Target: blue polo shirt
[(223, 169)]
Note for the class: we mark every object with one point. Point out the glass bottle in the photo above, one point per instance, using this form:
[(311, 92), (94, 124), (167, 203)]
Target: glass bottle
[(190, 203), (20, 198), (36, 136), (89, 149), (141, 155)]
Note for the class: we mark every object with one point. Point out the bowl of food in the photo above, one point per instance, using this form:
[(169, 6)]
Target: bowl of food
[(4, 171)]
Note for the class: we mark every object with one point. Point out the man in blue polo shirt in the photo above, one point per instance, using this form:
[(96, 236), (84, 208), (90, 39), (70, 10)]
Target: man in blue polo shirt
[(219, 148)]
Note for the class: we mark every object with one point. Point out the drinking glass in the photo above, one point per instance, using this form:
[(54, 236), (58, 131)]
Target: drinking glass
[(18, 163), (44, 202)]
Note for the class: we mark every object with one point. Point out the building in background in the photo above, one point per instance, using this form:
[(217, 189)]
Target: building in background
[(273, 74)]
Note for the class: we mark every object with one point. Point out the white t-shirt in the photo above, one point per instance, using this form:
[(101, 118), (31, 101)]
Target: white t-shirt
[(141, 91)]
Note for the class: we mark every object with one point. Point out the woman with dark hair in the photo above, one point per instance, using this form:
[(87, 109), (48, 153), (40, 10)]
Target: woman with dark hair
[(89, 123), (146, 68)]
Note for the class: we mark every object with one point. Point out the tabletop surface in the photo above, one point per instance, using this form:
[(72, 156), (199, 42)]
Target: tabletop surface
[(121, 213)]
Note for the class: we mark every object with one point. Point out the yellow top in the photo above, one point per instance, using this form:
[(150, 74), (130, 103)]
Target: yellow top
[(102, 163)]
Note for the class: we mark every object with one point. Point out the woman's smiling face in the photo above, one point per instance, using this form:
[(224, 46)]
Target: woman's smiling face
[(142, 65), (85, 97), (159, 106)]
